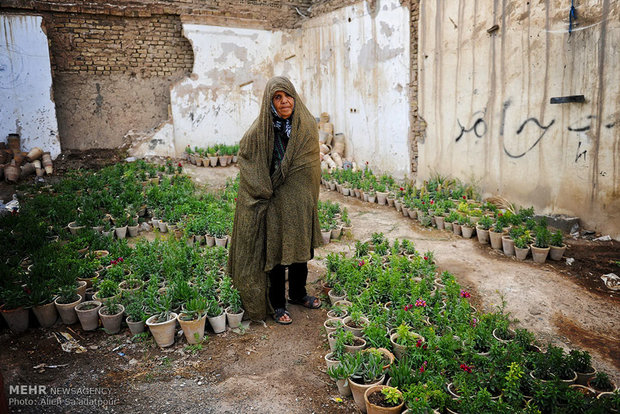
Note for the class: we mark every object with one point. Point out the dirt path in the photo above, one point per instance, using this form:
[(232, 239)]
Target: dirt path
[(280, 369)]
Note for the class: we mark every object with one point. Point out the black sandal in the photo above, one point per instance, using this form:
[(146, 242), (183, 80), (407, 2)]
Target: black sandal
[(279, 313), (307, 301)]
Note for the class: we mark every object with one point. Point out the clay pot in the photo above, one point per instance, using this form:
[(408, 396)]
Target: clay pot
[(163, 332), (234, 319), (135, 327), (47, 163), (46, 314), (194, 330), (556, 252), (27, 169), (467, 232), (34, 154), (520, 253), (11, 172), (508, 245), (218, 323), (399, 350), (356, 331), (496, 239), (14, 142), (88, 315), (539, 254), (376, 409), (483, 235), (67, 311), (326, 235), (332, 324), (358, 391), (17, 319)]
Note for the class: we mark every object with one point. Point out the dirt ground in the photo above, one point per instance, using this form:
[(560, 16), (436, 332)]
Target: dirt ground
[(280, 369)]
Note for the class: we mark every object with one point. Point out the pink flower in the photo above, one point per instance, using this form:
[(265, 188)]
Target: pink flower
[(432, 202), (465, 294), (474, 322), (407, 307), (466, 368), (418, 343), (361, 263), (420, 303)]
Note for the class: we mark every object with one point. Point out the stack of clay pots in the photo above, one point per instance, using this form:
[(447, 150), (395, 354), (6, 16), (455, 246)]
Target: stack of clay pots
[(16, 165), (332, 145)]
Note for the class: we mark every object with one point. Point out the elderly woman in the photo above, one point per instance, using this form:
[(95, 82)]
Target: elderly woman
[(276, 220)]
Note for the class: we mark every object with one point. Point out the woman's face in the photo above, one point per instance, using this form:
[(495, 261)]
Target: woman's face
[(284, 104)]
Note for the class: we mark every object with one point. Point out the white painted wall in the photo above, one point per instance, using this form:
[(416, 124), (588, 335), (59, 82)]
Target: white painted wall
[(356, 70), (560, 158), (355, 66), (26, 105)]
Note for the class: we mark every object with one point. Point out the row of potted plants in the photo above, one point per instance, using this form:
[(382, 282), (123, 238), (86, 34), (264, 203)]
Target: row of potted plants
[(218, 154), (450, 205), (447, 356), (334, 221)]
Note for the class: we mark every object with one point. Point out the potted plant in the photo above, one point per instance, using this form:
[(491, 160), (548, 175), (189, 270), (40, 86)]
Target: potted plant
[(332, 324), (193, 319), (42, 295), (216, 316), (382, 399), (557, 246), (88, 314), (581, 363), (336, 293), (368, 371), (234, 311), (65, 302), (163, 324), (14, 297), (355, 323), (111, 316), (522, 245), (135, 314), (540, 247), (482, 229), (404, 339), (601, 383), (467, 230), (108, 289), (496, 233)]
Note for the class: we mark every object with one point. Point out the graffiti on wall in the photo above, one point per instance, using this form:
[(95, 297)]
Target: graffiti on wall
[(478, 128)]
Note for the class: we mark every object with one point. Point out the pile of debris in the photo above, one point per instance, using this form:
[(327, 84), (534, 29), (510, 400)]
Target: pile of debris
[(332, 146), (16, 165)]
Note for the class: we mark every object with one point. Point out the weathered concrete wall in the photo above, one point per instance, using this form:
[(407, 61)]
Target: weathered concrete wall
[(27, 105), (355, 66), (221, 98), (486, 101)]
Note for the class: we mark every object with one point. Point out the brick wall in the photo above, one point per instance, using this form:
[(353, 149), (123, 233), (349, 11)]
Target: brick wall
[(102, 45), (418, 126)]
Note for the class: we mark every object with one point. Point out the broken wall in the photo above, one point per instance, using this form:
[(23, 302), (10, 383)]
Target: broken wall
[(485, 98), (26, 84), (113, 74)]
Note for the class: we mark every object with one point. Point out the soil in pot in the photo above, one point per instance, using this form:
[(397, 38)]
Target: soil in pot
[(356, 328)]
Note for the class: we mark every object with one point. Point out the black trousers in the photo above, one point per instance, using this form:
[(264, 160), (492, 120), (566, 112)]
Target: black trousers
[(297, 276)]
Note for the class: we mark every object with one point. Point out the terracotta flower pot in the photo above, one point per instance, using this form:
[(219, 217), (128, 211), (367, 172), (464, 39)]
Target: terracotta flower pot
[(556, 252), (400, 350), (496, 239), (483, 235), (17, 318), (88, 314), (67, 311), (377, 409), (233, 319), (194, 330), (326, 235), (521, 254), (358, 391), (508, 245), (467, 232), (111, 323), (218, 323), (539, 254), (46, 314), (135, 327), (357, 331), (163, 332)]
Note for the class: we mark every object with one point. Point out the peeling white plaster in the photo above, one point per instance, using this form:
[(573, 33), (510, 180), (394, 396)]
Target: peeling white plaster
[(356, 71), (158, 142), (26, 84)]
